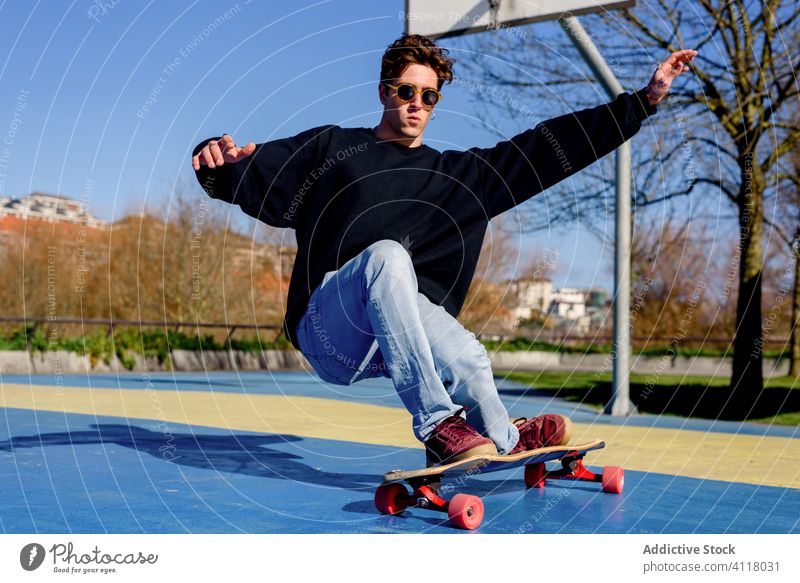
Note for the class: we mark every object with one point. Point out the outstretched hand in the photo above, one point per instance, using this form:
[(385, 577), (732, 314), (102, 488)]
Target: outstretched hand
[(667, 72), (217, 152)]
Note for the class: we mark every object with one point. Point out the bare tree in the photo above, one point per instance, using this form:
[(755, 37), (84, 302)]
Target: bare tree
[(794, 178), (726, 134), (677, 283), (186, 263), (488, 304), (785, 225)]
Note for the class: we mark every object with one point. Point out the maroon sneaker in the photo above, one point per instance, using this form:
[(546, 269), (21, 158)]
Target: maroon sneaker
[(542, 431), (454, 440)]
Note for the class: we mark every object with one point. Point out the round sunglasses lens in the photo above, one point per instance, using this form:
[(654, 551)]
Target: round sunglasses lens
[(406, 92), (430, 97)]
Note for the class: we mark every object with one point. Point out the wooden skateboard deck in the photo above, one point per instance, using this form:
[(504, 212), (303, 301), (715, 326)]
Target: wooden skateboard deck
[(491, 463), (466, 511)]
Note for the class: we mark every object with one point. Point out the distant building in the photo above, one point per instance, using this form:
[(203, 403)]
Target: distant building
[(597, 297), (569, 310), (62, 218), (531, 295), (598, 307), (73, 223), (568, 303), (50, 208)]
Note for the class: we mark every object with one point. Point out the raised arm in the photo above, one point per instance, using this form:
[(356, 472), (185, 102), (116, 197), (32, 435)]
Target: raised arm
[(263, 179), (515, 170)]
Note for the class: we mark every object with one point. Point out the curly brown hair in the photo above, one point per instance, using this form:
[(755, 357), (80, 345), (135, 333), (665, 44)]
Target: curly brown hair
[(415, 48)]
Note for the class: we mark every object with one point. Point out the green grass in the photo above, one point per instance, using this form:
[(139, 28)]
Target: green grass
[(521, 344), (781, 419), (99, 345), (692, 396)]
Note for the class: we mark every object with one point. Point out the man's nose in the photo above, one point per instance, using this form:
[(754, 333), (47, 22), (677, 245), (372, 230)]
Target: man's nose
[(416, 101)]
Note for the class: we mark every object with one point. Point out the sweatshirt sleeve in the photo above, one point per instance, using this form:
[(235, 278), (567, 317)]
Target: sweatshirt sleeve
[(513, 171), (267, 184)]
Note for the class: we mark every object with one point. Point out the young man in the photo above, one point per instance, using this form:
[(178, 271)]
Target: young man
[(389, 232)]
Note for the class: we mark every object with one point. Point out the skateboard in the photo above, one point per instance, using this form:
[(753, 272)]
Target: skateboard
[(466, 511)]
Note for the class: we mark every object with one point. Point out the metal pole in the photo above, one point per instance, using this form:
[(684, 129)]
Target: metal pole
[(620, 403)]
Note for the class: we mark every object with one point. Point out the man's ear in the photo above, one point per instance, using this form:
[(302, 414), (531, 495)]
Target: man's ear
[(382, 93)]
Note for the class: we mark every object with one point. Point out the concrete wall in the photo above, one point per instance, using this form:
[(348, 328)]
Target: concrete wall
[(681, 365), (62, 362)]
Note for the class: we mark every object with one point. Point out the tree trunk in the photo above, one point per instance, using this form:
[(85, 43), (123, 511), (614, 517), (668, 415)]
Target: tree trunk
[(794, 342), (747, 380)]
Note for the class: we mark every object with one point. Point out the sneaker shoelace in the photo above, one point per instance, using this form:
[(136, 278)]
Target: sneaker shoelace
[(453, 426)]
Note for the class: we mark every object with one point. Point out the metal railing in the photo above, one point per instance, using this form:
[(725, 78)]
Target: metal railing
[(568, 339), (31, 324)]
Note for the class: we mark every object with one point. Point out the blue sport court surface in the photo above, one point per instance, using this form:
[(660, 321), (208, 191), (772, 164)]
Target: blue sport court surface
[(286, 453)]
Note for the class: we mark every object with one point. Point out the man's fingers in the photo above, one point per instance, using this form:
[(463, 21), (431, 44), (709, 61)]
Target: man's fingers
[(676, 63), (216, 153), (226, 142), (681, 57), (247, 150), (205, 156), (237, 154), (684, 54), (231, 151), (200, 159)]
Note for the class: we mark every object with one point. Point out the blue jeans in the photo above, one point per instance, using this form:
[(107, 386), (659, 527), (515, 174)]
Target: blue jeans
[(367, 319)]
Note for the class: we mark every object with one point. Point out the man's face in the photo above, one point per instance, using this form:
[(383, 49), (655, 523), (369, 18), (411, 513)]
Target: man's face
[(408, 118)]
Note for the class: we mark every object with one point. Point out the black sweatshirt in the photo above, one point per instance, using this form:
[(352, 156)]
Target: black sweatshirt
[(342, 189)]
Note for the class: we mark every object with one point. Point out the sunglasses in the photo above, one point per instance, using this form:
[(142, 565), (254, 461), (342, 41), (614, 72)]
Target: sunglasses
[(406, 92)]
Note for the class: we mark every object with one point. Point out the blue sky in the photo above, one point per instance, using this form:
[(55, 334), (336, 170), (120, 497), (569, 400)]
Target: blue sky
[(104, 101)]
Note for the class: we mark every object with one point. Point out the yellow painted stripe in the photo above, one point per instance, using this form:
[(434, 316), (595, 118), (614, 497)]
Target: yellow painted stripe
[(302, 416), (749, 459), (769, 461)]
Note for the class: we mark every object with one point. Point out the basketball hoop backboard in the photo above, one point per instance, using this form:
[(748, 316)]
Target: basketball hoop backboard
[(440, 18)]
